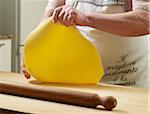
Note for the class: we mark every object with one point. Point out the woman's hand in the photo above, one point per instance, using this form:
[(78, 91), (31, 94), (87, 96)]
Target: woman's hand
[(68, 16), (26, 74)]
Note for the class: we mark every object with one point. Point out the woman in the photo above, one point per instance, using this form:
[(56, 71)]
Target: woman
[(111, 25)]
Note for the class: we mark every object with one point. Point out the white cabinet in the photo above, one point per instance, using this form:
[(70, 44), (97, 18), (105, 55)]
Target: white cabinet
[(5, 55), (18, 17)]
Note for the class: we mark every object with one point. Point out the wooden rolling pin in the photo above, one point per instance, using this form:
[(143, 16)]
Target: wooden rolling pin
[(59, 95)]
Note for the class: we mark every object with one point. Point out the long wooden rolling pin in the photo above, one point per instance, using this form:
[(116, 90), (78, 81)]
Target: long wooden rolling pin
[(59, 95)]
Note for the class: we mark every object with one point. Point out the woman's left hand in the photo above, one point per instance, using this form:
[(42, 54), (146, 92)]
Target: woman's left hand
[(68, 16)]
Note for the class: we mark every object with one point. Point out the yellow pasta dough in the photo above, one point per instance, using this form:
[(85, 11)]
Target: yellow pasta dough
[(56, 53)]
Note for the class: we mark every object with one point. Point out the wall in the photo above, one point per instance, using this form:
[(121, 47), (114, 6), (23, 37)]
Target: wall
[(31, 12), (7, 14), (0, 16)]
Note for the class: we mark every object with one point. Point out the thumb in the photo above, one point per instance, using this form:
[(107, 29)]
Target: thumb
[(23, 69)]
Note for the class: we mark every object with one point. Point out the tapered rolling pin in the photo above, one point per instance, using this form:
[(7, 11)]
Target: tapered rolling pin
[(59, 95)]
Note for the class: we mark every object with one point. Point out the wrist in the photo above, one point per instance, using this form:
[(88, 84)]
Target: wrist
[(88, 20)]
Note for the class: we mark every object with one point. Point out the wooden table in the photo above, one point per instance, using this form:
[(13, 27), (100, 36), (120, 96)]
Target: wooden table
[(130, 100)]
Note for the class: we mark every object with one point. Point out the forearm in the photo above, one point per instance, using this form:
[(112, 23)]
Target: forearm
[(132, 23)]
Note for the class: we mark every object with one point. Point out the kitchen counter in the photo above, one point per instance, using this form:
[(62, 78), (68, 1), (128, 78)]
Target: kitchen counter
[(6, 36), (131, 100)]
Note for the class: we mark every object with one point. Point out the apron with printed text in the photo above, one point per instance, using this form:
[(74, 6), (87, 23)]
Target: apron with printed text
[(125, 59)]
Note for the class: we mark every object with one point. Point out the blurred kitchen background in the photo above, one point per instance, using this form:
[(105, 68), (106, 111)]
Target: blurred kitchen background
[(17, 19)]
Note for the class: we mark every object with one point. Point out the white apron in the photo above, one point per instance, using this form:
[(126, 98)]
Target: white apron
[(125, 59)]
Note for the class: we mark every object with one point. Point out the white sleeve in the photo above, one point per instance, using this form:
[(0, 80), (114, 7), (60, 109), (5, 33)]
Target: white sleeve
[(141, 5)]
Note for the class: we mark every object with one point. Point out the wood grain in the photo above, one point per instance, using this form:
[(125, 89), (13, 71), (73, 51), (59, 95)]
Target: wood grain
[(130, 100)]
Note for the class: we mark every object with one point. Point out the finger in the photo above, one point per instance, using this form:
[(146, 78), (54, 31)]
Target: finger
[(64, 14), (65, 20), (71, 19), (26, 74), (60, 16), (65, 17), (56, 13)]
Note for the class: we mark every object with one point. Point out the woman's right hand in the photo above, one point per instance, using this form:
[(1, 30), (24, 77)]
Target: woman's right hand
[(23, 69)]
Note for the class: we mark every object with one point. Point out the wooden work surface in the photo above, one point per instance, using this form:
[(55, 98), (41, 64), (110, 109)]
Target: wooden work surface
[(130, 100)]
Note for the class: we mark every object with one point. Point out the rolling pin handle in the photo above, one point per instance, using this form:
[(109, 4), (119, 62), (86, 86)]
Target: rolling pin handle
[(109, 102)]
